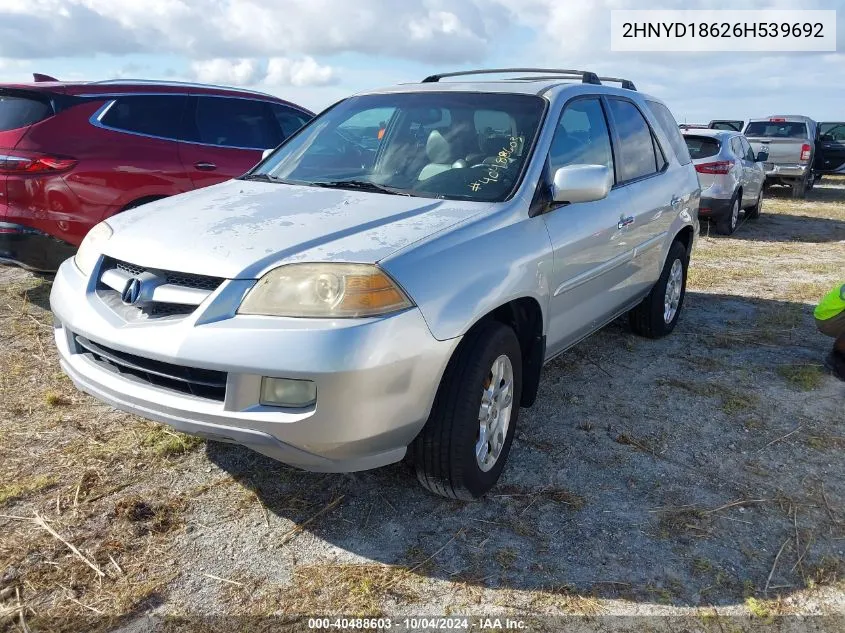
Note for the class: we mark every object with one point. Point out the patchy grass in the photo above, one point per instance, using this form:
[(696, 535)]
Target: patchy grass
[(15, 490), (735, 401), (166, 443), (54, 399), (802, 376)]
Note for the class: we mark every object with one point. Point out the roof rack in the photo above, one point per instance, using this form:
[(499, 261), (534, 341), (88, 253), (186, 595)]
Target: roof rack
[(626, 83), (585, 76), (166, 82)]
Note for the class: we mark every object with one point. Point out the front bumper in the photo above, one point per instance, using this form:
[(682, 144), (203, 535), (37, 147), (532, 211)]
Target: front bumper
[(376, 378), (32, 249), (775, 170)]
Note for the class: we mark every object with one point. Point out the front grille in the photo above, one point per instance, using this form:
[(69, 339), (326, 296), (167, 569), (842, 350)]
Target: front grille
[(203, 383), (155, 310), (186, 280)]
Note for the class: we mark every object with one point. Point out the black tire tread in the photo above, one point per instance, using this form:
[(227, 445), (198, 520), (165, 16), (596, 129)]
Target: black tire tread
[(433, 450), (645, 319)]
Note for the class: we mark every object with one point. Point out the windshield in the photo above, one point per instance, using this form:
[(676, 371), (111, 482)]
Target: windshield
[(461, 145), (776, 129)]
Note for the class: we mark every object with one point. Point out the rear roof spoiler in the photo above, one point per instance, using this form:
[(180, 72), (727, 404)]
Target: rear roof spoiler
[(40, 77)]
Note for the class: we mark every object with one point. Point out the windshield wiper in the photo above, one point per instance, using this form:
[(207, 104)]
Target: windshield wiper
[(361, 185), (260, 178)]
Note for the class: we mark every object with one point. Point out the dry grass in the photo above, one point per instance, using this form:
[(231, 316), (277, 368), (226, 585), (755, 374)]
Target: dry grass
[(804, 377)]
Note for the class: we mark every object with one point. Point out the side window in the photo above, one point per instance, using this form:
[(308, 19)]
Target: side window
[(669, 126), (746, 146), (636, 156), (289, 120), (581, 137), (736, 146), (232, 122), (154, 115)]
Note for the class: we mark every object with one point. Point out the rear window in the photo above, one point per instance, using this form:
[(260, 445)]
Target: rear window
[(702, 146), (729, 126), (670, 129), (774, 129), (17, 112), (153, 115)]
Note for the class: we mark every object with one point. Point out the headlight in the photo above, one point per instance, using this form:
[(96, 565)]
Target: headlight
[(90, 249), (325, 290)]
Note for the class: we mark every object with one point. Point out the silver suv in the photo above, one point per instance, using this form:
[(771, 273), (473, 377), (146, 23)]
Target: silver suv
[(391, 280)]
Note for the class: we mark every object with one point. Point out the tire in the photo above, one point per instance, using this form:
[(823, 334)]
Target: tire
[(726, 226), (649, 317), (444, 453), (752, 213), (799, 188), (811, 181)]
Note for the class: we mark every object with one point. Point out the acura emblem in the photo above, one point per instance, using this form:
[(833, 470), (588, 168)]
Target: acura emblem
[(131, 292)]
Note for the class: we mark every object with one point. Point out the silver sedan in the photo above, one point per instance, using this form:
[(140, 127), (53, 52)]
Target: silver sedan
[(731, 176)]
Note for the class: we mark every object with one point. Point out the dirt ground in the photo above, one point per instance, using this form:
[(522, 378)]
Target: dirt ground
[(700, 476)]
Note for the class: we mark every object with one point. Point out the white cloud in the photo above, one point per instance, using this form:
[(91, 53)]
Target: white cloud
[(422, 30), (282, 71), (235, 72)]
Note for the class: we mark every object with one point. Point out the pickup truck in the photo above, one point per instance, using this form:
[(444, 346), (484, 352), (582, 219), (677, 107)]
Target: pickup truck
[(790, 142), (731, 125)]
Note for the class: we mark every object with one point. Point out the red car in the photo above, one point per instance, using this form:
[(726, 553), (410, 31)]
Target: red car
[(73, 154)]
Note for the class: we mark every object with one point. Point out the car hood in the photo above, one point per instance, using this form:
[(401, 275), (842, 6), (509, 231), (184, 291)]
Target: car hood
[(238, 229)]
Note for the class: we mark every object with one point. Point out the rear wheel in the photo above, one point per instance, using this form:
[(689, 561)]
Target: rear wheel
[(799, 188), (752, 213), (658, 313), (461, 451), (728, 224)]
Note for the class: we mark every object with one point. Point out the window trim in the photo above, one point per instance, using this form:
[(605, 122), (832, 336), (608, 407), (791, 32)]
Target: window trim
[(610, 137), (655, 141), (96, 118)]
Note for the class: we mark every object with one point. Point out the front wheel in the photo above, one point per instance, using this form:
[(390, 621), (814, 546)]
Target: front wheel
[(461, 451), (657, 314)]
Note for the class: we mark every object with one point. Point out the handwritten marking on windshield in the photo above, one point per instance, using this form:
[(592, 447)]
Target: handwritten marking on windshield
[(501, 162)]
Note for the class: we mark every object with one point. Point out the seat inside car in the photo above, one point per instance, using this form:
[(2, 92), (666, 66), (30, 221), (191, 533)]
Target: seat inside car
[(440, 154)]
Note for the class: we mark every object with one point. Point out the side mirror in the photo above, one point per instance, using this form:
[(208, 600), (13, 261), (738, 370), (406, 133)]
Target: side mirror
[(266, 153), (761, 157), (581, 183)]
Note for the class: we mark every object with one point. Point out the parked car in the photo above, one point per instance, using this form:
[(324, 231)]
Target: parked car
[(731, 176), (73, 154), (731, 125), (391, 280), (790, 142), (831, 158)]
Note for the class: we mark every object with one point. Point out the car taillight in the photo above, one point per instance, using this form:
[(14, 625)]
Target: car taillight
[(35, 164), (717, 167), (805, 151)]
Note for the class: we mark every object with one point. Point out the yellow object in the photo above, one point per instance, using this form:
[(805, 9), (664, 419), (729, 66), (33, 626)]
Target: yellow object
[(831, 305)]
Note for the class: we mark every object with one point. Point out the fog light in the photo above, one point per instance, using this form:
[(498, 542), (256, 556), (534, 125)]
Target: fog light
[(285, 392)]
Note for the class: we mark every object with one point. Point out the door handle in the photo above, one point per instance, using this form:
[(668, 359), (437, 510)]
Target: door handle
[(623, 222), (205, 166)]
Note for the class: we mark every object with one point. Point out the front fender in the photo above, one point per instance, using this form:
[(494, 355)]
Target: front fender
[(459, 277)]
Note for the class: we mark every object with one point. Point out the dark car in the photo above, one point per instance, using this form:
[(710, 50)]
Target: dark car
[(73, 154), (831, 158), (730, 125)]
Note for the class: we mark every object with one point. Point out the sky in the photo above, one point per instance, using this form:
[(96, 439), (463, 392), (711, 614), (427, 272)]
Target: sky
[(315, 52)]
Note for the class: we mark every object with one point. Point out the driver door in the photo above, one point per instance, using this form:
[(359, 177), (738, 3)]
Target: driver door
[(592, 253)]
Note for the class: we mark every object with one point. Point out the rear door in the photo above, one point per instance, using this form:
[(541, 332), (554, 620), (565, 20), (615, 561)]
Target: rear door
[(224, 137), (591, 256), (831, 158), (655, 192), (753, 171)]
